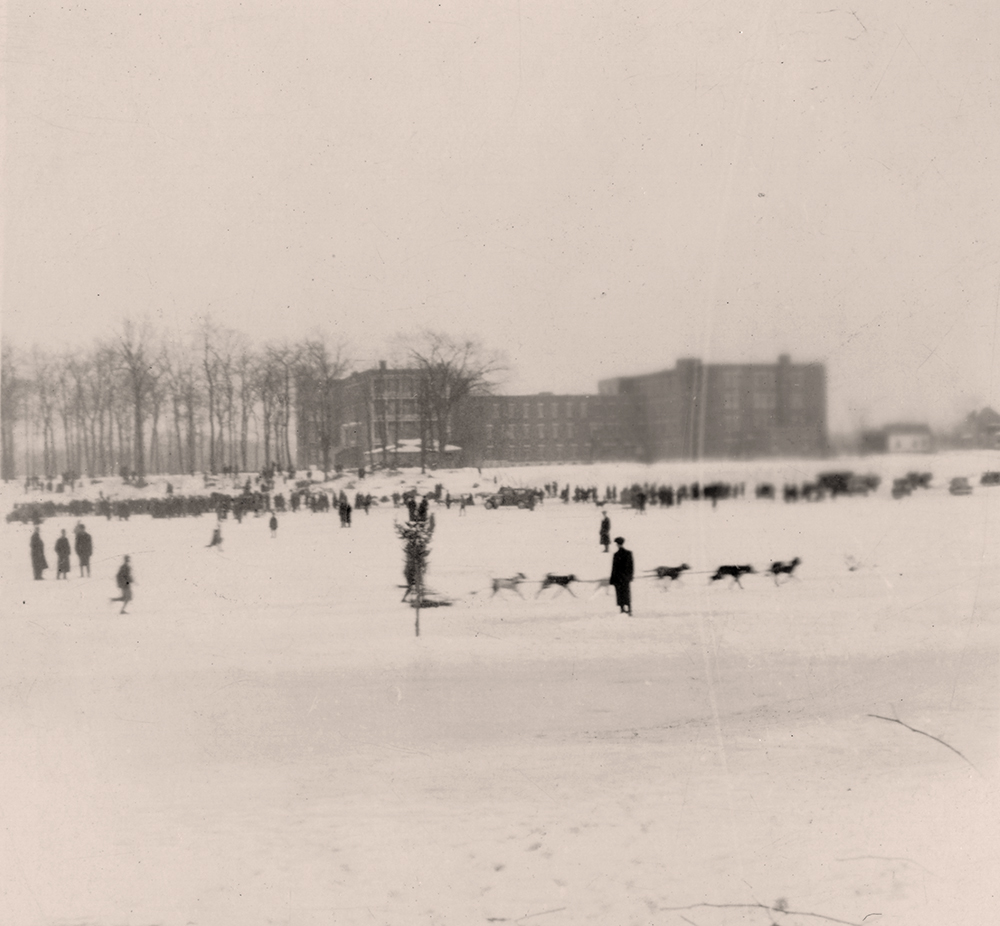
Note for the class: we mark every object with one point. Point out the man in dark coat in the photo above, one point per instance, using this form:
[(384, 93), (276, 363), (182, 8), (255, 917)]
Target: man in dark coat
[(622, 571), (605, 540), (62, 556), (84, 545), (38, 561)]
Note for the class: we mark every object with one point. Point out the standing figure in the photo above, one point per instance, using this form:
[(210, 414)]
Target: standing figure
[(84, 545), (605, 540), (273, 524), (216, 540), (622, 571), (62, 556), (124, 581), (38, 561)]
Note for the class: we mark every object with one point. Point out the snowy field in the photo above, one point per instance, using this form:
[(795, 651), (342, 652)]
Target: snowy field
[(264, 740)]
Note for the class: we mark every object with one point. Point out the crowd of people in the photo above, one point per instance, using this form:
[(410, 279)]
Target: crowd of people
[(260, 499)]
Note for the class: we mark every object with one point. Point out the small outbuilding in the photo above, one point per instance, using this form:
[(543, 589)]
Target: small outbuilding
[(899, 438)]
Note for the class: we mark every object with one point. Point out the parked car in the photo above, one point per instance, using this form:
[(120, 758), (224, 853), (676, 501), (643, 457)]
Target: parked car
[(511, 497), (960, 486), (848, 483)]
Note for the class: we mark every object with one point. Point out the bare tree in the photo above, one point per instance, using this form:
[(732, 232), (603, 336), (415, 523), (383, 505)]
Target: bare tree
[(181, 377), (321, 367), (450, 371), (135, 349), (44, 389), (245, 372), (13, 392), (279, 365)]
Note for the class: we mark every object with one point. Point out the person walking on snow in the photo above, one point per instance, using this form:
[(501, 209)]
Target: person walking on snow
[(124, 580), (62, 556), (273, 524), (622, 571)]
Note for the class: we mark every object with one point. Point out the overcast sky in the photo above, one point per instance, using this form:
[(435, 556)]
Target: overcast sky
[(596, 188)]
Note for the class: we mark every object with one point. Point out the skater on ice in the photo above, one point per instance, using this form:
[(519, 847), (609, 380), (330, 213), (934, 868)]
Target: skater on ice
[(605, 539), (216, 540), (273, 524), (124, 580)]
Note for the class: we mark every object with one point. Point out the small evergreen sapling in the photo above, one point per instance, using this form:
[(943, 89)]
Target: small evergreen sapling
[(416, 536)]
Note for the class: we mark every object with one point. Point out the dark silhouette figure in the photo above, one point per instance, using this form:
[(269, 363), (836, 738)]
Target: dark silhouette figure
[(605, 540), (216, 540), (124, 581), (84, 545), (62, 556), (273, 524), (622, 571), (38, 561)]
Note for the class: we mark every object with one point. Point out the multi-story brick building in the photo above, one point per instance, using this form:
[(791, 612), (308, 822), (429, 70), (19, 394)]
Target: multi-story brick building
[(728, 410), (692, 411), (546, 428), (375, 420)]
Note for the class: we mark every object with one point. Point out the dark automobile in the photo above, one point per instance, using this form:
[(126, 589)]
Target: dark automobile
[(511, 497)]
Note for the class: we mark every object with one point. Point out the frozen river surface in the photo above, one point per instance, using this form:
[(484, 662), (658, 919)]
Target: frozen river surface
[(264, 740)]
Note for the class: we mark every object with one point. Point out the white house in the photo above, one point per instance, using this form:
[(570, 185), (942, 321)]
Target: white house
[(908, 438)]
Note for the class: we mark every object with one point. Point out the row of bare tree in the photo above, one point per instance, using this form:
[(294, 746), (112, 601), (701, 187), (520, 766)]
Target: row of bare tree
[(139, 402)]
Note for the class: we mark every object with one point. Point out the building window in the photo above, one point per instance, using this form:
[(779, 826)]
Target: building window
[(541, 432), (555, 430), (527, 410), (731, 400), (569, 409), (541, 409), (569, 430)]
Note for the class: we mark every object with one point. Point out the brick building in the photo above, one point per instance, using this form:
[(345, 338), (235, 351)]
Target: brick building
[(546, 428), (728, 410), (375, 420), (691, 411)]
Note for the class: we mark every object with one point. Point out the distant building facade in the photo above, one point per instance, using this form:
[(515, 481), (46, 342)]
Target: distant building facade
[(691, 411), (547, 428), (701, 410), (375, 420), (898, 438)]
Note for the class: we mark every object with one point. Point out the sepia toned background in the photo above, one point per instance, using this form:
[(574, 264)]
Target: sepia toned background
[(597, 188)]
